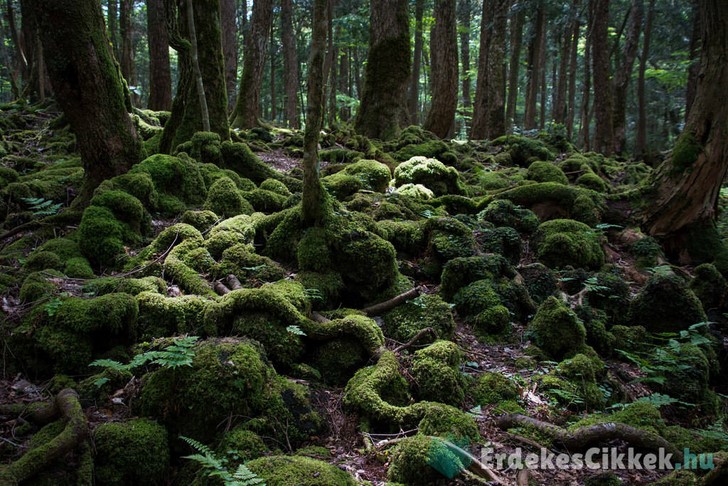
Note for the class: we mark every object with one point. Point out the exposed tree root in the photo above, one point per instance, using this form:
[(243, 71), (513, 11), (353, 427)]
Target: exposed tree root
[(76, 431), (382, 307), (587, 436), (415, 338), (233, 282), (221, 288)]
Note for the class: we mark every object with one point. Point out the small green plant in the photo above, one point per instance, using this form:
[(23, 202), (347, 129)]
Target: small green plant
[(313, 294), (53, 305), (179, 353), (216, 466), (295, 330), (42, 207)]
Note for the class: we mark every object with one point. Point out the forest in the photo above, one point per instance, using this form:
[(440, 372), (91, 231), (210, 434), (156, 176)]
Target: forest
[(363, 242)]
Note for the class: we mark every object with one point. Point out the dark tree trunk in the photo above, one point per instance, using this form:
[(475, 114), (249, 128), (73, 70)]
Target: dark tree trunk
[(694, 69), (272, 79), (544, 70), (160, 76), (290, 65), (112, 19), (312, 207), (330, 62), (414, 90), (603, 111), (344, 83), (247, 108), (534, 68), (489, 108), (126, 29), (642, 148), (687, 185), (584, 132), (573, 64), (228, 17), (559, 109), (444, 60), (517, 21), (624, 74), (464, 12), (88, 88), (383, 107)]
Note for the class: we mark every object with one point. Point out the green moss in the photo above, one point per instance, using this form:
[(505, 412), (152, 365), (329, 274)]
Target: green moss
[(504, 241), (35, 287), (250, 268), (640, 414), (364, 174), (102, 236), (92, 392), (326, 286), (592, 181), (436, 372), (685, 153), (523, 150), (428, 310), (552, 200), (557, 330), (610, 293), (131, 452), (563, 242), (595, 322), (239, 158), (406, 236), (165, 316), (460, 272), (503, 212), (666, 304), (299, 470), (546, 172), (42, 260), (493, 387), (709, 286), (416, 191), (78, 267), (475, 298), (265, 201), (423, 460), (540, 281), (225, 199), (201, 220), (647, 250), (449, 423), (448, 239), (431, 173), (241, 445), (338, 359), (239, 230), (126, 208), (176, 176)]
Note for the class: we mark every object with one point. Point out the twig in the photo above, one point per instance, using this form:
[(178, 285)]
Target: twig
[(415, 338), (382, 307)]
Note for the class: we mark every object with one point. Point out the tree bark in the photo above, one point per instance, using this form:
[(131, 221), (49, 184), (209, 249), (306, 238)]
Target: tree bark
[(464, 12), (160, 76), (383, 107), (414, 90), (624, 74), (199, 83), (228, 17), (247, 108), (535, 47), (514, 65), (573, 65), (489, 108), (444, 60), (113, 23), (290, 65), (126, 12), (687, 185), (560, 103), (313, 204), (694, 69), (585, 121), (603, 111), (642, 148), (88, 88)]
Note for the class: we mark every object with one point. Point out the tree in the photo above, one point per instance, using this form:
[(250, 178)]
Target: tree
[(228, 16), (687, 185), (160, 76), (464, 11), (86, 81), (535, 66), (383, 107), (128, 69), (642, 148), (290, 65), (623, 75), (516, 32), (444, 70), (414, 90), (604, 130), (247, 108)]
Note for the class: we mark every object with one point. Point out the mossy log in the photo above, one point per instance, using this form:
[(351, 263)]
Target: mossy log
[(76, 432), (584, 437)]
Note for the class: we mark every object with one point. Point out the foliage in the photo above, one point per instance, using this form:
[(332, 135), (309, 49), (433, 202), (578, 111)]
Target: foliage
[(179, 353), (42, 207), (216, 466)]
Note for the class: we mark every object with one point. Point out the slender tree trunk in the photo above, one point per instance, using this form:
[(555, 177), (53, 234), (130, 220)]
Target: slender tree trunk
[(313, 204), (560, 103), (160, 76), (113, 22), (228, 17), (464, 12), (383, 107), (573, 65), (544, 70), (126, 13), (414, 90), (199, 83), (444, 59), (584, 132), (694, 69), (331, 55), (489, 107), (642, 148), (247, 109), (534, 67), (344, 83), (687, 185), (624, 74), (7, 64), (517, 21), (603, 111), (88, 88), (21, 62), (273, 97), (290, 65)]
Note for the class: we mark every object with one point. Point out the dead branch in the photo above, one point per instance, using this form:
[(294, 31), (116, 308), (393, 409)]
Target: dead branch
[(415, 338), (382, 307), (221, 288), (233, 282)]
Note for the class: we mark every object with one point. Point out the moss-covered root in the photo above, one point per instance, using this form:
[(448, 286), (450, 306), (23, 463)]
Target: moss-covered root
[(74, 433), (584, 437)]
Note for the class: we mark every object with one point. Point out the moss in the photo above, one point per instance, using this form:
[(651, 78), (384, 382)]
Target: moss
[(709, 286), (98, 389), (647, 250), (225, 199), (327, 287), (540, 281), (563, 242), (449, 423), (406, 236), (299, 470), (7, 175), (689, 377), (431, 173), (557, 330), (35, 287), (460, 272), (416, 191), (523, 150), (610, 293), (250, 268), (428, 310), (685, 153), (546, 172), (232, 231), (313, 253), (201, 220), (428, 148), (504, 241), (239, 158), (423, 460), (435, 370), (227, 378), (265, 201), (364, 174), (448, 239), (165, 316), (102, 236), (131, 452), (475, 298), (630, 338), (42, 260), (666, 304), (503, 212), (640, 414), (592, 181), (340, 155), (241, 445), (126, 208), (493, 387), (553, 200), (677, 478), (175, 176), (595, 322), (78, 267)]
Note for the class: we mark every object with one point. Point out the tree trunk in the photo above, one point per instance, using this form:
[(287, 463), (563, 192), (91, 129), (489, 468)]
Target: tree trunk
[(290, 65), (586, 91), (514, 65), (534, 68), (464, 12), (687, 185), (642, 149), (113, 22), (604, 134), (383, 107), (573, 64), (624, 74), (88, 88), (345, 83), (414, 90), (444, 60), (272, 79), (22, 70), (330, 62), (559, 109), (228, 17), (126, 29), (694, 69), (199, 83), (313, 207), (160, 76), (544, 70), (247, 108), (489, 108)]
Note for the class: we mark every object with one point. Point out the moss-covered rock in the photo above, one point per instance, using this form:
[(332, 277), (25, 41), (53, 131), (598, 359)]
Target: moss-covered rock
[(416, 191), (431, 173), (299, 470), (493, 387), (541, 171), (709, 286), (563, 242), (449, 423), (364, 174), (540, 281), (178, 177), (522, 150), (503, 212), (161, 316), (557, 330), (133, 452), (666, 304), (504, 241), (436, 372), (551, 200), (102, 237), (201, 220), (225, 199), (610, 293), (592, 181), (460, 272), (428, 310), (424, 460)]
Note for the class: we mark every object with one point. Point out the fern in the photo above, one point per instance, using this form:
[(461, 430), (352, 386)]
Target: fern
[(42, 207), (216, 466), (180, 353)]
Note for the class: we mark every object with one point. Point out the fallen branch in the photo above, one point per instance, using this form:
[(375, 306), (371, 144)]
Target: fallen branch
[(221, 288), (233, 282), (75, 433), (382, 307), (40, 413), (415, 338), (585, 437)]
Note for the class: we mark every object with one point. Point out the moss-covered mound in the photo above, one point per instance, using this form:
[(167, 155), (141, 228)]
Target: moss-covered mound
[(429, 310), (563, 242), (299, 470), (665, 304), (557, 330), (430, 173)]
